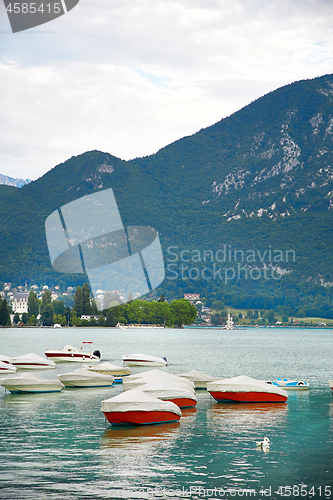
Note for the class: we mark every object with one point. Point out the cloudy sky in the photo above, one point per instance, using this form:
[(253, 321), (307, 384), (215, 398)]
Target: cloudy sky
[(129, 77)]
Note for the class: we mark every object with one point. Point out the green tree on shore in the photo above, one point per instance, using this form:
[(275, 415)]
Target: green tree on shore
[(183, 312), (33, 304), (4, 313)]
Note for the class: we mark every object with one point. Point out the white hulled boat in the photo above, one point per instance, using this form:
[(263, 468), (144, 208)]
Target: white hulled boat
[(182, 396), (143, 360), (109, 369), (6, 359), (199, 379), (85, 378), (29, 382), (7, 368), (70, 353), (32, 361), (139, 379), (286, 384)]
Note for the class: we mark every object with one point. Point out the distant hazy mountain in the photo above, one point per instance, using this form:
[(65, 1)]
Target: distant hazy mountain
[(259, 183), (9, 181)]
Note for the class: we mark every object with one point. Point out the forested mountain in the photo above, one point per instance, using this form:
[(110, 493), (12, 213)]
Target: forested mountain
[(255, 191)]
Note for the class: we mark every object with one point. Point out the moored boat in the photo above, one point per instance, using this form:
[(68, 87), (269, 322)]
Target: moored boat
[(70, 353), (6, 359), (85, 378), (182, 396), (143, 360), (139, 379), (109, 369), (330, 383), (29, 382), (32, 361), (7, 368), (138, 408), (199, 379), (245, 389), (297, 385)]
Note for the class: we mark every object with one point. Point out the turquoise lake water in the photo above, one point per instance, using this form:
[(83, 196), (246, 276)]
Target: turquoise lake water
[(57, 446)]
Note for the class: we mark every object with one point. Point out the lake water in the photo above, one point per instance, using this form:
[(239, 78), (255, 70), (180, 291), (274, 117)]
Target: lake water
[(57, 446)]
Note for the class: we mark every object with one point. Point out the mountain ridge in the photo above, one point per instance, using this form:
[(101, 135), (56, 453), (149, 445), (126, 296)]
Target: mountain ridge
[(261, 178), (11, 181)]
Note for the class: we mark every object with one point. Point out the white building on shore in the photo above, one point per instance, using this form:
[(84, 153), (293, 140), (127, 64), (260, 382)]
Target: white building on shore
[(20, 302)]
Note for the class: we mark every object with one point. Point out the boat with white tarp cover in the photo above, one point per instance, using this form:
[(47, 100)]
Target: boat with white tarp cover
[(109, 369), (182, 396), (143, 360), (85, 378), (32, 361), (139, 379), (243, 389), (138, 408), (29, 382), (199, 379)]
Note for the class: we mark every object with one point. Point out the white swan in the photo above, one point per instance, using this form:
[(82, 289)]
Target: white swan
[(264, 444)]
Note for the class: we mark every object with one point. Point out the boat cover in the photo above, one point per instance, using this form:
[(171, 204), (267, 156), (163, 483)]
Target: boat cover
[(151, 375), (164, 389), (143, 357), (109, 368), (136, 400), (26, 379), (7, 367), (135, 381), (197, 376), (242, 383), (86, 375), (34, 361)]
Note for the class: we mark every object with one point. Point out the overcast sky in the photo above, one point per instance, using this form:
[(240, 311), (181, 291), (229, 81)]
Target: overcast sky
[(129, 77)]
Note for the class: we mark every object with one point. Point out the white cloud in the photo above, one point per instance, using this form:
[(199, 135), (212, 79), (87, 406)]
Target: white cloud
[(129, 78)]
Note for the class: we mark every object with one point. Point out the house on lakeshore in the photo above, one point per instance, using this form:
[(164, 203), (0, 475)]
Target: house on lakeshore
[(20, 302), (192, 297)]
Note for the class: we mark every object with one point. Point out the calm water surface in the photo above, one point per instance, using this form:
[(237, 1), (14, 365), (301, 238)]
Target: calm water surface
[(57, 446)]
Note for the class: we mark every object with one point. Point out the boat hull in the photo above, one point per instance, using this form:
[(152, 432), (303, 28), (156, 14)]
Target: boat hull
[(85, 383), (60, 357), (293, 387), (7, 368), (31, 389), (133, 417), (33, 366), (248, 397), (134, 362), (182, 402)]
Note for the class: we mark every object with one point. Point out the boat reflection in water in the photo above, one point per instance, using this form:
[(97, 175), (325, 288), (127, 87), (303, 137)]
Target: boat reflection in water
[(140, 441), (246, 418), (129, 436)]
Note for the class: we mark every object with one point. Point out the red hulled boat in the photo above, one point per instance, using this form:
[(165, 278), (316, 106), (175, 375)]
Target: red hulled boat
[(135, 407), (245, 389)]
